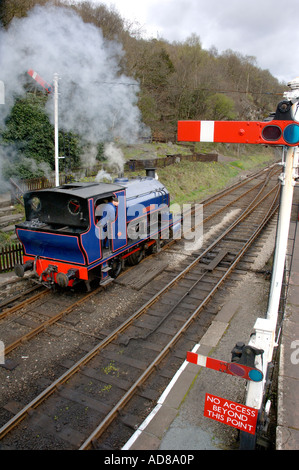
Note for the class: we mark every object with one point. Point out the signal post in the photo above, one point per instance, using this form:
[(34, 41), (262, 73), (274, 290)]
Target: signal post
[(282, 130), (49, 90)]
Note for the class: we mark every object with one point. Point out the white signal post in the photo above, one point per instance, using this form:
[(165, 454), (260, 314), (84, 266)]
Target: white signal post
[(265, 328), (48, 87), (250, 132), (2, 92), (56, 129)]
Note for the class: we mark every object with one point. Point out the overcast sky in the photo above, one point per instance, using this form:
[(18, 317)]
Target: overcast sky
[(265, 29)]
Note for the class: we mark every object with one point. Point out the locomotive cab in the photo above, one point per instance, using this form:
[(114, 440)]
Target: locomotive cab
[(110, 221), (58, 211)]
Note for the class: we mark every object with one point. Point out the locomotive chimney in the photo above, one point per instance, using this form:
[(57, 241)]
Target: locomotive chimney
[(150, 172)]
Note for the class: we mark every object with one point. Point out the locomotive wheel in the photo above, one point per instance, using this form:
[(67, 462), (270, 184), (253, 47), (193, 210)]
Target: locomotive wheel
[(116, 267), (135, 258)]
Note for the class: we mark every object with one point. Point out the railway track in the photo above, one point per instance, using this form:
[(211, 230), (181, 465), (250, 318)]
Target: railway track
[(101, 385), (14, 300)]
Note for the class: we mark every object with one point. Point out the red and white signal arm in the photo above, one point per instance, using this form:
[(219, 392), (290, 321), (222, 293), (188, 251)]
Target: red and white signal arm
[(275, 132), (40, 80), (231, 368)]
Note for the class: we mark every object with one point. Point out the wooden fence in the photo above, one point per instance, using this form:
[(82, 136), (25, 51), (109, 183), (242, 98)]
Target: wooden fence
[(161, 162), (10, 255)]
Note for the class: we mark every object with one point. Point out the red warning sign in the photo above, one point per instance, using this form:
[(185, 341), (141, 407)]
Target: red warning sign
[(233, 414)]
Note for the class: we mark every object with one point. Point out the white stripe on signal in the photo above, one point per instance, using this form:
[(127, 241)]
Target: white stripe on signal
[(201, 360), (207, 131)]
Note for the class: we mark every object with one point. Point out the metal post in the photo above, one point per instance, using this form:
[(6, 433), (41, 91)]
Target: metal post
[(265, 328), (56, 129), (2, 92), (282, 234)]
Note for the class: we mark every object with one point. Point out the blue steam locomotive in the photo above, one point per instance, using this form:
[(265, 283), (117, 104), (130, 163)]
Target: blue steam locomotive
[(68, 238)]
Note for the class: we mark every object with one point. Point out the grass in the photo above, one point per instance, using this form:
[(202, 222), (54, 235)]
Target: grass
[(4, 238), (153, 150), (189, 181), (194, 181)]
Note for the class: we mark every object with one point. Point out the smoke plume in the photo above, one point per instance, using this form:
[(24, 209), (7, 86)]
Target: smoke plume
[(95, 99), (115, 157)]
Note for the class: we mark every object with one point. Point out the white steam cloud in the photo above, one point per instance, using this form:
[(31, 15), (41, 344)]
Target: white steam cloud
[(115, 157), (95, 99), (115, 162)]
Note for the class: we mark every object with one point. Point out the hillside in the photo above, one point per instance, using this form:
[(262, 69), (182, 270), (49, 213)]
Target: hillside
[(159, 81), (192, 182)]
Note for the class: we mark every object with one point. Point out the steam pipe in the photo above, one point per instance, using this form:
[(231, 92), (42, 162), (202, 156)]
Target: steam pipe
[(150, 172)]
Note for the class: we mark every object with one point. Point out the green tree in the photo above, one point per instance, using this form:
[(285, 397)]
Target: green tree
[(153, 67), (108, 19), (220, 107), (29, 131), (10, 9), (29, 128)]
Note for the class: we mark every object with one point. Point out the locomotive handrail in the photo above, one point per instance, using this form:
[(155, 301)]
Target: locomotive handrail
[(16, 191)]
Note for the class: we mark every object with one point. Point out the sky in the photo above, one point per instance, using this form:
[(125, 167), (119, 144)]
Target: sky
[(265, 29)]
